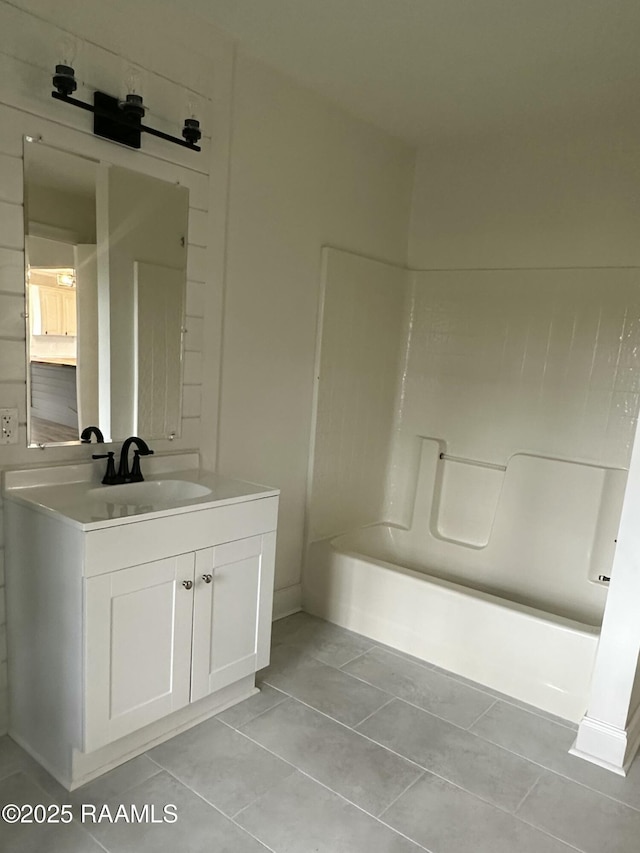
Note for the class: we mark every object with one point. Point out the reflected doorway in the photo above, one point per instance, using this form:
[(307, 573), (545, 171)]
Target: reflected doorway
[(53, 354)]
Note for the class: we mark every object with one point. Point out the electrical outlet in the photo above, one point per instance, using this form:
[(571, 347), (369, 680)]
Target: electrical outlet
[(8, 426)]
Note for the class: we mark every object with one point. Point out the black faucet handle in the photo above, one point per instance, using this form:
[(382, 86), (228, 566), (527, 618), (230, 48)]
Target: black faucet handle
[(110, 478), (136, 474)]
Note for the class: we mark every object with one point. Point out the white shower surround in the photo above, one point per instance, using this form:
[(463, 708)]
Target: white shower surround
[(566, 344)]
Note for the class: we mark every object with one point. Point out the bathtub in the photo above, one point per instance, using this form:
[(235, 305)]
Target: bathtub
[(508, 595)]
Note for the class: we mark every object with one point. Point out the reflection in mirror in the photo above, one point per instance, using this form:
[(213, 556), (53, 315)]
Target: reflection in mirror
[(105, 251)]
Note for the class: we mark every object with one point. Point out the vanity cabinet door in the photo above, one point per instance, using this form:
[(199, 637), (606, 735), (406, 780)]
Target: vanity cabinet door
[(229, 579), (138, 646)]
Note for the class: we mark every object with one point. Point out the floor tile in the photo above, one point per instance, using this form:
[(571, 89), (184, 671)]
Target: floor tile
[(471, 756), (582, 817), (548, 743), (300, 816), (433, 691), (199, 827), (108, 788), (323, 687), (504, 696), (363, 772), (445, 819), (224, 767), (484, 769), (36, 774), (12, 756), (287, 655), (538, 712), (399, 653), (243, 712), (326, 642), (292, 626), (522, 731), (17, 789)]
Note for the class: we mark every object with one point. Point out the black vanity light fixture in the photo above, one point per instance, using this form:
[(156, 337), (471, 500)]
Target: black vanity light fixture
[(119, 121)]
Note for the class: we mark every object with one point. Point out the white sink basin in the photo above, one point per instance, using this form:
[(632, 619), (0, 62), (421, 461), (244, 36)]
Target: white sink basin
[(149, 493)]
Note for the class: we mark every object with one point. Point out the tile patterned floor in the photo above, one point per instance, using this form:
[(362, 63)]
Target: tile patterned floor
[(349, 748)]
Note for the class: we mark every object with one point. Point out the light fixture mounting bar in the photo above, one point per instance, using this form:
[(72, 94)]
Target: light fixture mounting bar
[(111, 122)]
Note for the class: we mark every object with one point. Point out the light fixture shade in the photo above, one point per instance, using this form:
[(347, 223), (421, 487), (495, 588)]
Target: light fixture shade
[(133, 105), (133, 79), (67, 49), (64, 80), (191, 130)]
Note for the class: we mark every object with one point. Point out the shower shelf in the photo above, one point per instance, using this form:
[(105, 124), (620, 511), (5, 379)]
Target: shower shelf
[(447, 458)]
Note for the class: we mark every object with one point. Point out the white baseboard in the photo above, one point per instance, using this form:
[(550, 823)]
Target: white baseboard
[(633, 737), (84, 767), (287, 601), (606, 745)]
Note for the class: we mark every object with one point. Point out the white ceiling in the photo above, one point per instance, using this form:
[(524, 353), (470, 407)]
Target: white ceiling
[(440, 68)]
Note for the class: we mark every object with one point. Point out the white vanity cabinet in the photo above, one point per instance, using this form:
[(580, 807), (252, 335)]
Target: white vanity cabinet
[(138, 647), (124, 632), (225, 647), (161, 635)]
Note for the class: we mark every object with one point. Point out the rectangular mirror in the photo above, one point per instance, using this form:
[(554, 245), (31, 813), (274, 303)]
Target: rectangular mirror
[(106, 257)]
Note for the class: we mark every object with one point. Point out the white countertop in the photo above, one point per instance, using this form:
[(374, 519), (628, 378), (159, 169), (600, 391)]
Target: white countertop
[(63, 491)]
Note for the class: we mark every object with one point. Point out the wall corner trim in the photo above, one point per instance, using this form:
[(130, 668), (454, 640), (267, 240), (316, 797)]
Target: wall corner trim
[(607, 746)]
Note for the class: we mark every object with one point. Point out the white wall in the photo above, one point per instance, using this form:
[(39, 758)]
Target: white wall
[(71, 212), (303, 174), (45, 252), (176, 57), (544, 197), (363, 310)]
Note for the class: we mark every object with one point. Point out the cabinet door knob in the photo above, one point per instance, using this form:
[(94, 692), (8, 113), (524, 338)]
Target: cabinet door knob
[(187, 584), (207, 578)]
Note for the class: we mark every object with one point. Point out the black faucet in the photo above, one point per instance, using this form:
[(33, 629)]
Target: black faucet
[(87, 432), (135, 475), (110, 478)]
